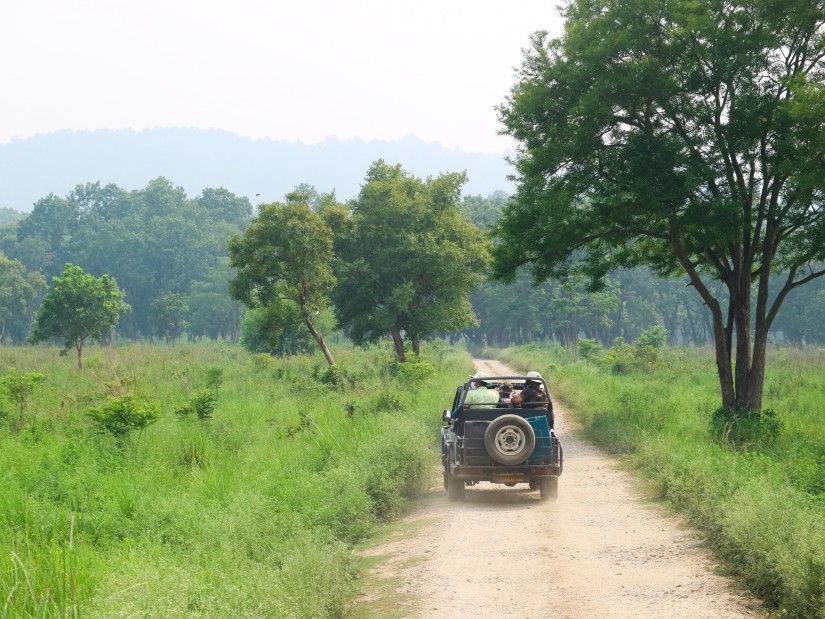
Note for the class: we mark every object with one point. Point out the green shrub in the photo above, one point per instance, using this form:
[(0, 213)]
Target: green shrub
[(743, 429), (412, 372), (387, 400), (202, 405), (655, 337), (122, 416), (620, 359), (333, 376), (214, 378), (588, 348), (18, 390)]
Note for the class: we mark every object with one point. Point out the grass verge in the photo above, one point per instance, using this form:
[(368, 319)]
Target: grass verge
[(247, 502), (761, 501)]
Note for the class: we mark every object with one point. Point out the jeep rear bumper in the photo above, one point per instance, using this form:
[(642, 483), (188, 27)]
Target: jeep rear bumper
[(504, 474)]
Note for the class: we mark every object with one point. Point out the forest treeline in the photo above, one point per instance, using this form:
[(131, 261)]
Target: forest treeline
[(168, 252)]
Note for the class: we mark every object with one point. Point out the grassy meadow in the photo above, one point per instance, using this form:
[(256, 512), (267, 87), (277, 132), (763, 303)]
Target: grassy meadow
[(758, 494), (244, 498)]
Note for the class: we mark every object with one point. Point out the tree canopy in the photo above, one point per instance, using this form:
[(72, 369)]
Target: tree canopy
[(686, 135), (154, 241), (406, 258), (285, 258), (18, 290), (78, 307)]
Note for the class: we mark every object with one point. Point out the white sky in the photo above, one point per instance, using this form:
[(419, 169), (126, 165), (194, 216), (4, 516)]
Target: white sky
[(299, 71)]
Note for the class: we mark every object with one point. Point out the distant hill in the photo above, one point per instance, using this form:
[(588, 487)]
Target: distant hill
[(195, 159)]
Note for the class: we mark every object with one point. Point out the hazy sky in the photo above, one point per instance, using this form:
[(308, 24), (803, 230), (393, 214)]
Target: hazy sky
[(300, 71)]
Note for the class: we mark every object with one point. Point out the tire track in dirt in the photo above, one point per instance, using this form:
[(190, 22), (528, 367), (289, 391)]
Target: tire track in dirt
[(598, 551)]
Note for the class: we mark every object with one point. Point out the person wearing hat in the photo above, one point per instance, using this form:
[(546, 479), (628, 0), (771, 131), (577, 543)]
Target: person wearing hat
[(481, 394), (534, 394), (532, 391)]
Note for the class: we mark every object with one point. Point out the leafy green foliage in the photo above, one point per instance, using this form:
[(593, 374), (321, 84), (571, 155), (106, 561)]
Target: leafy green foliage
[(333, 376), (396, 469), (224, 519), (18, 290), (406, 258), (9, 216), (655, 337), (743, 429), (620, 358), (18, 389), (588, 348), (122, 416), (202, 405), (79, 306), (284, 265), (153, 241), (212, 312), (214, 378), (169, 316), (669, 135), (624, 358), (413, 373)]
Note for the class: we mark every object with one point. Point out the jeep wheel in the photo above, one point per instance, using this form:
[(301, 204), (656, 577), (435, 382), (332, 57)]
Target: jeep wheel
[(455, 487), (509, 440), (549, 489)]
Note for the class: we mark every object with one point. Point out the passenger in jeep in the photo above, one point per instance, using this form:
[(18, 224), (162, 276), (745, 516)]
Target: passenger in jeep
[(482, 393), (505, 392), (534, 396)]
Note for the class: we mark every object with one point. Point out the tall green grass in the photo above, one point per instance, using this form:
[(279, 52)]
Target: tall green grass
[(252, 512), (762, 505)]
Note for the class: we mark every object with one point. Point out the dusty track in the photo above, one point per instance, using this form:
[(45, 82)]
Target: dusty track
[(599, 551)]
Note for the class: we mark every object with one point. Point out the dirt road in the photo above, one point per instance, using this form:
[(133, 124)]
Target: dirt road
[(598, 551)]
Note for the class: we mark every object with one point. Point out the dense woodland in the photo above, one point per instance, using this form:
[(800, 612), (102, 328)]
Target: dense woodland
[(168, 252)]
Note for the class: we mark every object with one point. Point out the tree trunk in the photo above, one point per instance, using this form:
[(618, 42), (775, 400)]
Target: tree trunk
[(399, 344), (79, 347), (416, 345), (721, 335), (320, 339)]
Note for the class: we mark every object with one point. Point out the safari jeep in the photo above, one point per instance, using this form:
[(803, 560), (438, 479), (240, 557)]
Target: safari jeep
[(503, 443)]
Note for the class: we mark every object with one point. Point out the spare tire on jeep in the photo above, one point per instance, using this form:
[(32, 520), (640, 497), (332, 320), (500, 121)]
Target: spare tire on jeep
[(509, 439)]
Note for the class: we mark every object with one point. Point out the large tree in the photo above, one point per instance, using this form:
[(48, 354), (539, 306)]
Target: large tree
[(407, 258), (688, 135), (153, 240), (285, 257), (169, 316), (18, 290), (78, 307)]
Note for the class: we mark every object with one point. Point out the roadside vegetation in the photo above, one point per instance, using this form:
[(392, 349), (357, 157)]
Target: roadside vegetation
[(204, 480), (755, 485)]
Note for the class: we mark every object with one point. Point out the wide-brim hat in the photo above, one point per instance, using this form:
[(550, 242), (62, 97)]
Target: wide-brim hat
[(534, 377)]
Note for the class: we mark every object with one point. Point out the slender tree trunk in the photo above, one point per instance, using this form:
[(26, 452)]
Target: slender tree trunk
[(723, 361), (721, 335), (399, 344), (741, 303), (320, 339), (756, 382), (79, 347), (416, 345)]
